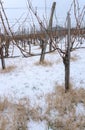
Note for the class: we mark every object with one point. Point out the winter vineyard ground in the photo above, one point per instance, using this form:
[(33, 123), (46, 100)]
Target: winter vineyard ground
[(32, 95)]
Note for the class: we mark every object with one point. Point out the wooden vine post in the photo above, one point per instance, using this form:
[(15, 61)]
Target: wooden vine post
[(1, 55), (66, 58)]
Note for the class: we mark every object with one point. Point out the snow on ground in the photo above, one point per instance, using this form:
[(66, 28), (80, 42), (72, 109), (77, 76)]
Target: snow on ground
[(28, 79), (80, 109), (78, 69), (37, 126)]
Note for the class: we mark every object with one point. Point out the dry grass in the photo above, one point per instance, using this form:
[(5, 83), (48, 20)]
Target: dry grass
[(13, 116), (8, 69), (4, 104), (63, 106), (44, 63), (74, 58), (34, 113), (59, 113)]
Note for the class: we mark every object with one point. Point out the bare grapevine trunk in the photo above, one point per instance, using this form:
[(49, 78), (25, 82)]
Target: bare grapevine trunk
[(66, 62), (43, 52), (2, 58)]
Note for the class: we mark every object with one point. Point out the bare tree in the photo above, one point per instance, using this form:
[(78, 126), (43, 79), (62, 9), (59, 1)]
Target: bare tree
[(68, 32), (2, 56), (47, 34)]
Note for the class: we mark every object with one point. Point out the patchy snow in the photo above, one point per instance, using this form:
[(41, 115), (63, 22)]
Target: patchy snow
[(80, 109), (78, 69), (37, 125), (28, 79)]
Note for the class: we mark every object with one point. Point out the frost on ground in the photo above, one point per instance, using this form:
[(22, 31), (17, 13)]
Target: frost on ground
[(48, 106)]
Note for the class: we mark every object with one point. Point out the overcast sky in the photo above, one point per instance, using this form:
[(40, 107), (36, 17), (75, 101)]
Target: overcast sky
[(16, 8)]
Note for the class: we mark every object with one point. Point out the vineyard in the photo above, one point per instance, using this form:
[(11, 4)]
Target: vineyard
[(42, 75)]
